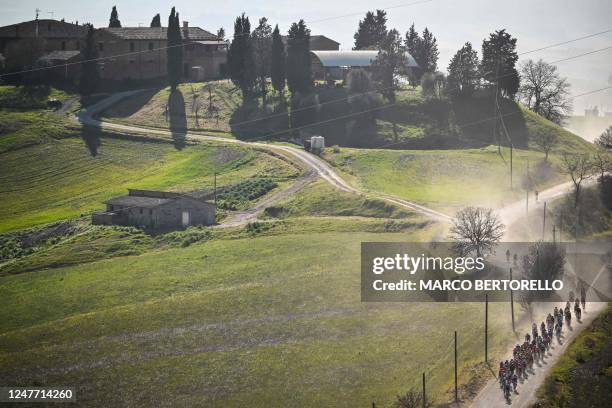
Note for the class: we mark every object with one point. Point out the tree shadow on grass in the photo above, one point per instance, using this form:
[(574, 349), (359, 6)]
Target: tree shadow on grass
[(131, 105), (177, 118), (91, 137), (250, 120)]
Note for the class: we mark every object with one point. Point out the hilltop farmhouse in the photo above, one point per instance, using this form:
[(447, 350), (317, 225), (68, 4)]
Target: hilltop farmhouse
[(132, 53), (126, 53), (140, 53), (156, 210), (42, 42)]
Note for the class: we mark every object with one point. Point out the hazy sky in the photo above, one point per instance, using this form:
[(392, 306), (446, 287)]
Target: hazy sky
[(536, 23)]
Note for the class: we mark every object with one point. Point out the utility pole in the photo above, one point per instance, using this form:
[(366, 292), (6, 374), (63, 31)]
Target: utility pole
[(544, 222), (424, 394), (554, 234), (456, 388), (215, 188), (512, 303), (527, 202), (486, 328)]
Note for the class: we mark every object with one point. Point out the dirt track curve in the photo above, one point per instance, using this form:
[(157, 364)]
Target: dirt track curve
[(315, 164)]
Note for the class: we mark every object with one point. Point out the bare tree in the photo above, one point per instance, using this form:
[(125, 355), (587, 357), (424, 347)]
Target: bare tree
[(602, 161), (545, 141), (476, 229), (544, 91), (579, 167), (605, 139), (195, 106), (412, 399)]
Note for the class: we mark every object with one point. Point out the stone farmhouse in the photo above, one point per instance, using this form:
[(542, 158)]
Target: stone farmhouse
[(140, 53), (126, 53), (23, 43), (156, 210)]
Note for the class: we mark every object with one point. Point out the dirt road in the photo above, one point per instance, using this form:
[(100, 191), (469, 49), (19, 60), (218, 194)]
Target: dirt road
[(320, 167), (491, 395), (513, 212)]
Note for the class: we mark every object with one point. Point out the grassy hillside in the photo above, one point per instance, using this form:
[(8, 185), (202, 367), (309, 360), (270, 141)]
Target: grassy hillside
[(413, 122), (64, 178), (320, 199), (219, 322), (583, 375), (25, 119), (445, 179), (158, 108)]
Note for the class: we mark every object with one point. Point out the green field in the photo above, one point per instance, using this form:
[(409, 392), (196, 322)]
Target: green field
[(446, 179), (218, 322), (64, 178), (266, 314)]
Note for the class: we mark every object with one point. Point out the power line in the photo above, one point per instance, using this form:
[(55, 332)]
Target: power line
[(581, 55), (567, 42), (182, 44), (396, 103), (361, 13), (382, 89)]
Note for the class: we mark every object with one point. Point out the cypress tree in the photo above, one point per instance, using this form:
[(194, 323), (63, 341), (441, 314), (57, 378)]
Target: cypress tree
[(463, 75), (114, 18), (372, 30), (498, 63), (240, 59), (277, 70), (261, 38), (174, 50), (156, 22), (299, 71), (89, 77)]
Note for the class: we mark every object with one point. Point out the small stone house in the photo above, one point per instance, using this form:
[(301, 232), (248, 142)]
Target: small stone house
[(156, 210)]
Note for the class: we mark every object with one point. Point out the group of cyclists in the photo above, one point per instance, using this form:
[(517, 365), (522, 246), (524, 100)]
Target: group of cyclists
[(536, 344)]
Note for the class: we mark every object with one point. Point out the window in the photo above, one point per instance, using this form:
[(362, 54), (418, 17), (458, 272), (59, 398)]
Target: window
[(101, 46), (63, 45), (150, 46), (132, 47)]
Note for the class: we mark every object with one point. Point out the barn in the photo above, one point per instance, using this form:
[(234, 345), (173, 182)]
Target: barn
[(336, 64), (156, 210)]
